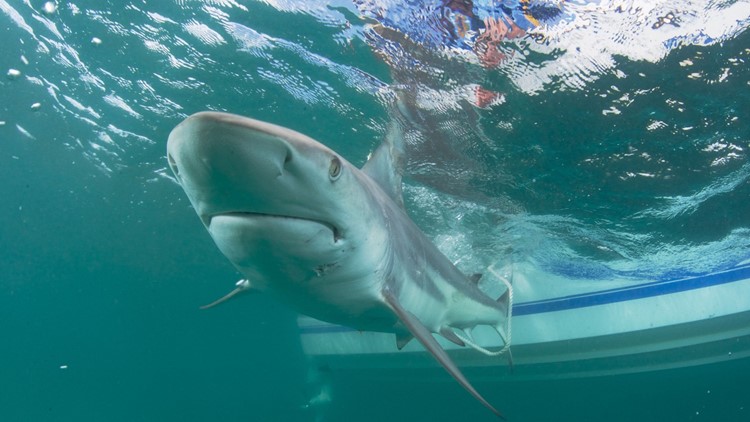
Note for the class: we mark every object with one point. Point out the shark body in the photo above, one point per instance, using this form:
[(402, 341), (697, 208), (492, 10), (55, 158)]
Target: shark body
[(331, 240)]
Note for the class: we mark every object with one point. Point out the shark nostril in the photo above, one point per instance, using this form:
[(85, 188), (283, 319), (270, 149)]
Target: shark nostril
[(173, 165), (285, 163), (288, 157)]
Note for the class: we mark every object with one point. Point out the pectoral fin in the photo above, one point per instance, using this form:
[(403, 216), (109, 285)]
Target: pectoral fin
[(424, 336), (242, 285)]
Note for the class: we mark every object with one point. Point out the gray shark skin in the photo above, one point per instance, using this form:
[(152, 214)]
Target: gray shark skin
[(331, 240)]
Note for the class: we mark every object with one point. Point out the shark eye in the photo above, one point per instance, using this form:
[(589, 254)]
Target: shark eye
[(334, 171)]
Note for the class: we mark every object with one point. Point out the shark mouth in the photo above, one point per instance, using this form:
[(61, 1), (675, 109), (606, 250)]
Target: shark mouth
[(336, 233)]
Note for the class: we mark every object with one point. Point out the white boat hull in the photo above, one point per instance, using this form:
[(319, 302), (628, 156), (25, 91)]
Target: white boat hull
[(568, 328)]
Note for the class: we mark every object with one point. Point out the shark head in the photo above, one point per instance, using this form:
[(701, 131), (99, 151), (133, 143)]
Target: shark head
[(261, 189)]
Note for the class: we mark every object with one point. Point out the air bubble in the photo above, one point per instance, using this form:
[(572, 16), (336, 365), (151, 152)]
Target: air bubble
[(50, 8)]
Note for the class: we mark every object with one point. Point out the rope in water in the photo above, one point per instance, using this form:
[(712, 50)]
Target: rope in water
[(507, 337)]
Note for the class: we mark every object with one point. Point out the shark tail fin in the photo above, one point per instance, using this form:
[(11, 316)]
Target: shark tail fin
[(424, 336), (502, 326), (242, 285)]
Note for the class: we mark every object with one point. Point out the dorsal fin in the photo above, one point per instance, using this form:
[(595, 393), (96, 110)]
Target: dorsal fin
[(385, 165)]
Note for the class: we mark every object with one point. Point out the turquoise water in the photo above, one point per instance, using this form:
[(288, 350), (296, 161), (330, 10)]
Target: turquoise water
[(632, 161)]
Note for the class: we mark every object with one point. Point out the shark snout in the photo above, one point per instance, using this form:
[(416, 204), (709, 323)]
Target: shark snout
[(208, 144), (231, 164)]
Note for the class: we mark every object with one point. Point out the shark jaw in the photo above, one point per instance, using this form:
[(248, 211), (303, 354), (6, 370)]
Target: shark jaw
[(236, 234), (285, 210), (331, 240), (291, 220)]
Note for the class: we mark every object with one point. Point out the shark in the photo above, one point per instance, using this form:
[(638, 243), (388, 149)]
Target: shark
[(331, 240)]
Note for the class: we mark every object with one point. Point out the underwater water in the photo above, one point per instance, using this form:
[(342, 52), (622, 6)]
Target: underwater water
[(606, 139)]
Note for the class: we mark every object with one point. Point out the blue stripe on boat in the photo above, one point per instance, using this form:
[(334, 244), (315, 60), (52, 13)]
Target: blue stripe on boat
[(603, 297), (640, 291)]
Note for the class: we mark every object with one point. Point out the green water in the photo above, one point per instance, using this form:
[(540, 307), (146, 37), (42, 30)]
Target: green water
[(104, 264)]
